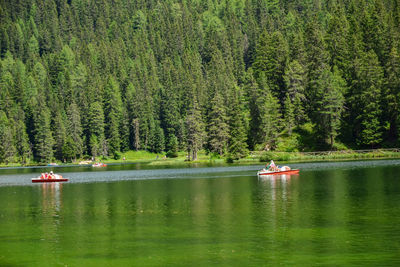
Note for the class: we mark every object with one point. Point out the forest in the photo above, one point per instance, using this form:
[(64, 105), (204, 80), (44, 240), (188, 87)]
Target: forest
[(83, 78)]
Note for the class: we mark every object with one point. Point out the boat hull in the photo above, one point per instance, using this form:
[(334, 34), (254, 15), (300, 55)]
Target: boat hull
[(278, 172), (99, 165), (39, 180)]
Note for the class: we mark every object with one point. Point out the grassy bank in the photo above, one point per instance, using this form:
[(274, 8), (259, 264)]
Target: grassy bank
[(327, 155), (254, 157)]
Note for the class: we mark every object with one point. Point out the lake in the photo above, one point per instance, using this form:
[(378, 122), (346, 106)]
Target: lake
[(332, 213)]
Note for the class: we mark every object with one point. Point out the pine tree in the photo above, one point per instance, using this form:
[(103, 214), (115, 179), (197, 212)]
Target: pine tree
[(96, 129), (74, 130), (295, 83), (157, 142), (264, 113), (392, 93), (43, 139), (270, 119), (79, 82), (113, 115), (95, 147), (172, 146), (289, 116), (317, 62), (169, 112), (338, 40), (237, 146), (270, 61), (195, 131), (366, 100), (331, 106), (124, 130), (69, 149), (7, 148), (22, 142), (217, 128), (59, 135)]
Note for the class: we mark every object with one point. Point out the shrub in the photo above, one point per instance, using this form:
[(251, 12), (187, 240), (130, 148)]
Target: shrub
[(172, 154), (117, 155), (289, 143)]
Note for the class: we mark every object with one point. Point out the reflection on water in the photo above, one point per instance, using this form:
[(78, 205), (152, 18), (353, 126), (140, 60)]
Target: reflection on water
[(51, 197), (51, 205)]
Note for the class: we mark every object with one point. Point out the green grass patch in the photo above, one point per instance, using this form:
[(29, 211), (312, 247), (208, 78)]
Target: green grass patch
[(254, 157)]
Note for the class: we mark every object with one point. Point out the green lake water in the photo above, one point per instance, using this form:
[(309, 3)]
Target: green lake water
[(332, 213)]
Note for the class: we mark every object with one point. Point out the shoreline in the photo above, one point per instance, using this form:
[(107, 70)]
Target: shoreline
[(255, 157)]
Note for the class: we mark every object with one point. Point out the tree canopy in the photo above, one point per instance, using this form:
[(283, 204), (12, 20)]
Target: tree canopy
[(99, 77)]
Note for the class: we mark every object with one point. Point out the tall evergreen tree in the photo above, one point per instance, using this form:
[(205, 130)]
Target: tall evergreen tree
[(271, 58), (7, 148), (338, 40), (217, 128), (270, 119), (43, 139), (113, 115), (96, 129), (195, 130), (289, 116), (237, 146), (391, 93), (295, 80), (265, 123), (331, 106), (317, 63), (59, 135), (366, 100), (74, 130)]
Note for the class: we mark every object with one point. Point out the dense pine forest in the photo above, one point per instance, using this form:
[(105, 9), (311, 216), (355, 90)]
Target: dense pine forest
[(96, 77)]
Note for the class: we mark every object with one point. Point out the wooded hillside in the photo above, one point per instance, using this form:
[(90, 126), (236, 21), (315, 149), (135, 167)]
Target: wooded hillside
[(96, 77)]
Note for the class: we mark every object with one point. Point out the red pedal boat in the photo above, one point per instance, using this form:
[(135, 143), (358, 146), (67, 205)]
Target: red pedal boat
[(266, 172), (46, 178), (99, 165)]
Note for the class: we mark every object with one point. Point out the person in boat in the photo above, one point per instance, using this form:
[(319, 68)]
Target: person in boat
[(51, 176), (272, 167)]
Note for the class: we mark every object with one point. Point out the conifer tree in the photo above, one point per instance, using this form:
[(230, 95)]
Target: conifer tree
[(96, 129), (169, 109), (317, 62), (43, 139), (69, 149), (265, 123), (237, 146), (157, 143), (331, 106), (270, 118), (289, 116), (7, 148), (113, 115), (74, 130), (172, 146), (295, 83), (195, 130), (59, 135), (217, 128), (338, 40), (124, 130), (366, 100), (271, 59), (391, 93)]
